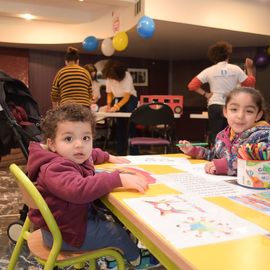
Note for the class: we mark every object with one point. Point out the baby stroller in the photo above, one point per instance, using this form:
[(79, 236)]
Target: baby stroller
[(19, 120)]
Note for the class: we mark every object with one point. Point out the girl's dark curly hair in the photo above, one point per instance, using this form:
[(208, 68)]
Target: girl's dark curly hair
[(114, 70), (220, 51), (68, 112)]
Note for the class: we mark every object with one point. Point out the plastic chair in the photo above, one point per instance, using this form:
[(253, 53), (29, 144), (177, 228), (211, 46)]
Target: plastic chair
[(53, 257), (155, 117)]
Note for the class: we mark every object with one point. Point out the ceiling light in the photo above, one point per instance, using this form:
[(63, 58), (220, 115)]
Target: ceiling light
[(27, 16)]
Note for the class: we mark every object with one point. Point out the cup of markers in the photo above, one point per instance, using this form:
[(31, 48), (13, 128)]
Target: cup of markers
[(253, 165)]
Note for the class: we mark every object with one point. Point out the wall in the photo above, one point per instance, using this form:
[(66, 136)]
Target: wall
[(43, 66), (15, 63)]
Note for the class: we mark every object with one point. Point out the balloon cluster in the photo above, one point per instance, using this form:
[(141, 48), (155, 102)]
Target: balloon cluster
[(145, 29)]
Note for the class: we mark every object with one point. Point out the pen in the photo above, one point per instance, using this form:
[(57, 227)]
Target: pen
[(193, 144)]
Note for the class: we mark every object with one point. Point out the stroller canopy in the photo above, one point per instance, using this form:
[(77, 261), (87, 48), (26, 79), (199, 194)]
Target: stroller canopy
[(16, 102)]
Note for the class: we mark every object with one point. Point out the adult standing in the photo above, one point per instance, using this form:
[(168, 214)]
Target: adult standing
[(72, 83), (222, 78), (121, 96)]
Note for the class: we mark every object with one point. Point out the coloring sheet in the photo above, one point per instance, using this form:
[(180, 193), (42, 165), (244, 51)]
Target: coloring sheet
[(158, 160), (190, 183), (187, 221), (259, 201), (198, 169)]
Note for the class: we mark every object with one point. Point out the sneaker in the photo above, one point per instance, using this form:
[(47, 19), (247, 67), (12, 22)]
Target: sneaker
[(148, 262)]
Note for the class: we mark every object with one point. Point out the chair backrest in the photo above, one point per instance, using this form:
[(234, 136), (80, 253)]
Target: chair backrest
[(152, 114), (33, 199)]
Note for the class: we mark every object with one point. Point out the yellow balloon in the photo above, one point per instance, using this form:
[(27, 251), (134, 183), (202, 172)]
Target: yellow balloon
[(120, 41)]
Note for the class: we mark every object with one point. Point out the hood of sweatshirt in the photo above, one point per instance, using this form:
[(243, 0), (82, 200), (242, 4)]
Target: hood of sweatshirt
[(40, 156)]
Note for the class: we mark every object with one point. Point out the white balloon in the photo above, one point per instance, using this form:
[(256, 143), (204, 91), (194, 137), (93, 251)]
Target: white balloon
[(107, 47)]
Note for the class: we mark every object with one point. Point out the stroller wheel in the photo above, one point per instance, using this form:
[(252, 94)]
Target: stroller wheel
[(14, 230)]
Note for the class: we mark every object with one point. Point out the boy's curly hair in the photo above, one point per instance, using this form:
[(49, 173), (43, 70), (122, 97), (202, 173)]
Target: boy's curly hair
[(68, 112), (220, 51)]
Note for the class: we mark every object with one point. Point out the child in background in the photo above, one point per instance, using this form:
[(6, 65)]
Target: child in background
[(245, 112), (95, 84), (64, 170)]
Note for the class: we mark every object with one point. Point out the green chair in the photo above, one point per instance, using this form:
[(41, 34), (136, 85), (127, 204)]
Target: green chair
[(53, 257)]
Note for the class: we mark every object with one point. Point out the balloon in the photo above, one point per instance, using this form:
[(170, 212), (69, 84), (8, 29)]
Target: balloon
[(146, 27), (120, 41), (90, 43), (107, 47), (261, 60)]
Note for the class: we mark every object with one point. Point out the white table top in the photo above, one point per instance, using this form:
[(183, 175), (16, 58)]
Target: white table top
[(203, 115), (121, 114)]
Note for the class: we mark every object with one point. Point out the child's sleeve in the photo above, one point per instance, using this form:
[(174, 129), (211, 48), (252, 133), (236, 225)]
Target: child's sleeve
[(226, 165), (199, 152), (99, 156)]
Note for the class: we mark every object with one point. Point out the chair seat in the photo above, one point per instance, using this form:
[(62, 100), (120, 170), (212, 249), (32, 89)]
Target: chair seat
[(148, 141), (40, 250)]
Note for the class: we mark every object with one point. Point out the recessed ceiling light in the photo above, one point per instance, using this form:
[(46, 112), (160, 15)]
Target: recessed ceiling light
[(27, 16), (80, 0)]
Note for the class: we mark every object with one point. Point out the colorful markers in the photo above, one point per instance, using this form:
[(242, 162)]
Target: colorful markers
[(258, 151)]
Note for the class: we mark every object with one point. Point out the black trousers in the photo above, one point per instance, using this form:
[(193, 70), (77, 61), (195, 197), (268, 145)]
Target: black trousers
[(216, 122), (122, 127)]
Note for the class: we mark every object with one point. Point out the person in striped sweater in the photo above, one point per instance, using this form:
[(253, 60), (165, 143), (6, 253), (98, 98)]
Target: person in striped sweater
[(72, 83)]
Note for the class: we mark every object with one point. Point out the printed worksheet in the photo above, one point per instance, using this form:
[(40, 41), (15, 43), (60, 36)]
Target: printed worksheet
[(187, 221), (259, 201), (198, 169), (159, 160), (190, 183)]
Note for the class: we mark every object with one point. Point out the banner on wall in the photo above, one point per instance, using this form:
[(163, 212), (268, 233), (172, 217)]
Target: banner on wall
[(115, 22)]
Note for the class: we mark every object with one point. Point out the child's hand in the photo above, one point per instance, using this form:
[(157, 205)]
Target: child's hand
[(133, 181), (187, 146), (210, 168), (119, 160)]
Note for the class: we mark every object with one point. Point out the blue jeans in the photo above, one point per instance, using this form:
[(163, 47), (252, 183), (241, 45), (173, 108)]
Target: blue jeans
[(101, 233)]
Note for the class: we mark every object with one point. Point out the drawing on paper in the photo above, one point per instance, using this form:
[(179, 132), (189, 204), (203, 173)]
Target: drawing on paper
[(203, 226)]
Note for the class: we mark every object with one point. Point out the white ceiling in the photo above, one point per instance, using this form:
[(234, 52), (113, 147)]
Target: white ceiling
[(170, 40)]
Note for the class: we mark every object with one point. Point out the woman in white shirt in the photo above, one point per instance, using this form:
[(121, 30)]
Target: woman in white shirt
[(121, 96)]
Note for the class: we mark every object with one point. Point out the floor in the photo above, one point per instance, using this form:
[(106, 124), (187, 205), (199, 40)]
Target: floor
[(10, 206)]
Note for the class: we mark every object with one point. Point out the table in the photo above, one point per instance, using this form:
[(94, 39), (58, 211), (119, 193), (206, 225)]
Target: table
[(203, 115), (248, 253), (121, 114)]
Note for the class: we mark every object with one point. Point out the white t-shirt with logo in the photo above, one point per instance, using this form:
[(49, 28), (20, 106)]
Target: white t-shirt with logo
[(118, 89), (222, 78)]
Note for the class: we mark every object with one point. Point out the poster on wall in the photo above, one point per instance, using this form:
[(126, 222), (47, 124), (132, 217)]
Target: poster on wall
[(139, 76)]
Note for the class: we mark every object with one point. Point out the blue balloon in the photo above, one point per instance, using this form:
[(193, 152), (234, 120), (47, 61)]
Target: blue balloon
[(90, 43), (146, 27)]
